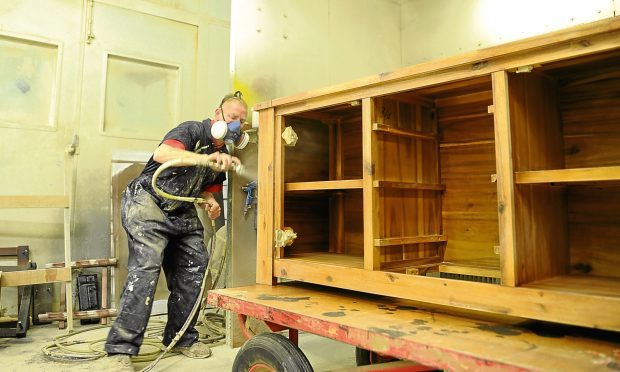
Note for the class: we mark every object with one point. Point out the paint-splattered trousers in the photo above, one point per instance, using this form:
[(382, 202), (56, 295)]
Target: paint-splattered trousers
[(156, 239)]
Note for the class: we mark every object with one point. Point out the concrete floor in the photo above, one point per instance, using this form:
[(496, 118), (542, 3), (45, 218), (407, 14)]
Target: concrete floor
[(25, 354)]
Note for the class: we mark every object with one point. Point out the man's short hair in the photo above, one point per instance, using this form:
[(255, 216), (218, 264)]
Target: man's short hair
[(237, 96)]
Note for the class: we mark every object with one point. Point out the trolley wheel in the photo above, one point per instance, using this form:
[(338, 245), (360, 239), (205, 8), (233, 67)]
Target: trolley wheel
[(365, 357), (270, 352)]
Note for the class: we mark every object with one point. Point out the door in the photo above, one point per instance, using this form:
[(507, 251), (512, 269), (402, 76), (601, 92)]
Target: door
[(140, 80)]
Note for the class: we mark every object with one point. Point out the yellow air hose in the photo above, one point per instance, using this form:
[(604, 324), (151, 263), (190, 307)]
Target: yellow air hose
[(160, 192)]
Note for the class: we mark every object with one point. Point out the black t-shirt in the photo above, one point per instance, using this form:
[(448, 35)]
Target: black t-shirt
[(186, 181)]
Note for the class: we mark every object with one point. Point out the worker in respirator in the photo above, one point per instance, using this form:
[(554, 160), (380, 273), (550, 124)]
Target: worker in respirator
[(167, 233)]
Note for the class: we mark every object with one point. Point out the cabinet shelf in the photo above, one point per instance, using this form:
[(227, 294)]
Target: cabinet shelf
[(323, 185), (449, 145), (403, 133), (569, 175), (592, 285), (327, 258), (408, 185), (384, 242)]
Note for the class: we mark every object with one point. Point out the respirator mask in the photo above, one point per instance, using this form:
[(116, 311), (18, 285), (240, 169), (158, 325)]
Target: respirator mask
[(230, 133)]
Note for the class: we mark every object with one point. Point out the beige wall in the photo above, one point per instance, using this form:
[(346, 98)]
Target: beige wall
[(284, 46), (441, 28)]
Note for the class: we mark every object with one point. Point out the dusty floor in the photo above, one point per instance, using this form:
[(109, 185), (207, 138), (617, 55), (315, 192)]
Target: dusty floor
[(25, 354)]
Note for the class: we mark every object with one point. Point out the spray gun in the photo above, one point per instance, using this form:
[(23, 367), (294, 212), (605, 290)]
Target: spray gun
[(250, 189)]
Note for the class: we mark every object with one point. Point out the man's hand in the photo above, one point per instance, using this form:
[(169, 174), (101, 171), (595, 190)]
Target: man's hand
[(211, 206), (223, 161)]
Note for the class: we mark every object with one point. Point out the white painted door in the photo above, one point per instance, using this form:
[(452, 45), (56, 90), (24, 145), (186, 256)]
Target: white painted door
[(140, 73)]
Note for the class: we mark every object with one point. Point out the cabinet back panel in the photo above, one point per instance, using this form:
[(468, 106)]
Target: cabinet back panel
[(594, 229), (309, 215), (469, 206), (308, 160), (351, 142), (589, 106)]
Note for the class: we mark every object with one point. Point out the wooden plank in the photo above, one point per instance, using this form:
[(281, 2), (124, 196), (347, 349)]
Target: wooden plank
[(62, 324), (408, 185), (88, 314), (403, 133), (265, 200), (99, 262), (568, 175), (448, 145), (104, 293), (505, 186), (414, 331), (369, 154), (43, 201), (40, 276), (323, 185), (67, 248), (384, 242), (546, 305)]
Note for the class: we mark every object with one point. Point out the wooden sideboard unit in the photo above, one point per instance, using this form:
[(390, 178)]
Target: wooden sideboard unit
[(488, 181)]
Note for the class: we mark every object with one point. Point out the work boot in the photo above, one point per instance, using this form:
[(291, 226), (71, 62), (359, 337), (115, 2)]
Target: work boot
[(118, 362), (197, 350)]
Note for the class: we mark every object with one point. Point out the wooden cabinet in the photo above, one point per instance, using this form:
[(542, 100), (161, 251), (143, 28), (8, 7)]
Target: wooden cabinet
[(488, 181)]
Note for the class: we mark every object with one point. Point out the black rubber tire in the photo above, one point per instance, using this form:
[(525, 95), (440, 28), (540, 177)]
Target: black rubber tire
[(363, 357), (274, 350)]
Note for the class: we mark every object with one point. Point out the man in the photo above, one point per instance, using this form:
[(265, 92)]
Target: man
[(167, 233)]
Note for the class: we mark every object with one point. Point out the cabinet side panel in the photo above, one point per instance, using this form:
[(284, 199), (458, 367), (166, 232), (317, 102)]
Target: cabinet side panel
[(265, 209)]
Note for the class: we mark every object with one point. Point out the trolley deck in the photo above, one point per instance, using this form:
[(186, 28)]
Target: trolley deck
[(430, 336)]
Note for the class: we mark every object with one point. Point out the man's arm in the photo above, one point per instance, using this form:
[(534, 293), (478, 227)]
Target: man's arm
[(165, 152)]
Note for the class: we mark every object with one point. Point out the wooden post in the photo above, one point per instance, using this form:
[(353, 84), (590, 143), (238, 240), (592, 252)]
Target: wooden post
[(505, 183), (371, 253)]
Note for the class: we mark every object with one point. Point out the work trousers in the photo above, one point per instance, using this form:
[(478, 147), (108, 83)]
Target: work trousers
[(172, 240)]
